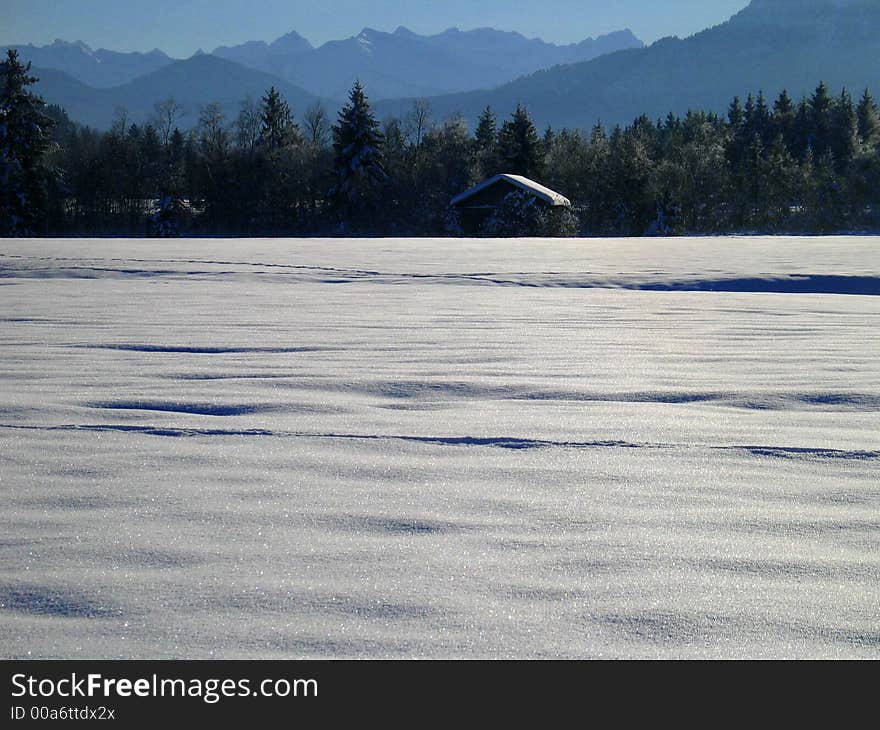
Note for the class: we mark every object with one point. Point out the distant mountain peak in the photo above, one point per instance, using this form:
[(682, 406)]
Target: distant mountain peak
[(70, 44), (365, 40), (817, 16), (769, 44), (391, 65), (482, 31), (291, 42), (622, 38), (61, 44), (99, 68), (625, 32)]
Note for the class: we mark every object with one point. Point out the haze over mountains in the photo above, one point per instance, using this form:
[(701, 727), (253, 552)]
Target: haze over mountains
[(404, 63), (770, 45), (90, 84), (100, 68), (193, 83)]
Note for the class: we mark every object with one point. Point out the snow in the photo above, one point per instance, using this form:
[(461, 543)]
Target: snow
[(538, 190), (365, 42), (440, 448)]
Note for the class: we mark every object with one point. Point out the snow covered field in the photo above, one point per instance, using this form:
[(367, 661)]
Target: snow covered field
[(440, 448)]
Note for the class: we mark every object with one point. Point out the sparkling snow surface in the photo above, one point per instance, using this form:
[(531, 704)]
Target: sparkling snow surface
[(440, 448)]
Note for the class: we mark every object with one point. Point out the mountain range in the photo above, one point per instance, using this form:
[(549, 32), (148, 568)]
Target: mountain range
[(100, 68), (770, 45), (193, 83), (404, 63), (390, 65)]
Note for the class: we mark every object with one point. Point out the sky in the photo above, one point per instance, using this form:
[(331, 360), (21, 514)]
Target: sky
[(180, 27)]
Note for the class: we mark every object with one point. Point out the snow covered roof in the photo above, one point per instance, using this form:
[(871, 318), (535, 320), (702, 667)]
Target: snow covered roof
[(536, 189)]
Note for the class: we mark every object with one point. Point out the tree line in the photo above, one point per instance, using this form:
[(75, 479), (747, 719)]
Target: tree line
[(806, 166)]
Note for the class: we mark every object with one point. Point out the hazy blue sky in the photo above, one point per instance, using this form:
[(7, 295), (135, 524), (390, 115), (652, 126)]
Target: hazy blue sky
[(179, 27)]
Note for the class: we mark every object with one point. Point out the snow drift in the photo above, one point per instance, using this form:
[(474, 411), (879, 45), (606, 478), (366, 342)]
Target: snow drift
[(440, 448)]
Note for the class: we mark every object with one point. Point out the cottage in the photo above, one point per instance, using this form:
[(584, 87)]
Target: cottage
[(477, 205)]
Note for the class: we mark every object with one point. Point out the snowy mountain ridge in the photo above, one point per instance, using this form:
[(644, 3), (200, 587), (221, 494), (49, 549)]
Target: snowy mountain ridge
[(770, 45), (404, 63), (101, 68)]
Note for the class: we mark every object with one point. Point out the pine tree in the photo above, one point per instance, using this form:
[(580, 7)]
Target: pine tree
[(548, 139), (150, 156), (566, 161), (359, 162), (671, 132), (174, 175), (802, 130), (869, 120), (735, 114), (486, 144), (829, 210), (778, 170), (487, 130), (519, 145), (749, 114), (783, 118), (737, 124), (820, 120), (446, 169), (759, 119), (25, 139), (277, 128), (844, 139), (597, 197)]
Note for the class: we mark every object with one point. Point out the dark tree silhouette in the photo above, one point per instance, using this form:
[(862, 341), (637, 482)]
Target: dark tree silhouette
[(869, 120), (25, 139), (487, 130), (802, 167), (520, 146), (277, 128), (359, 160)]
